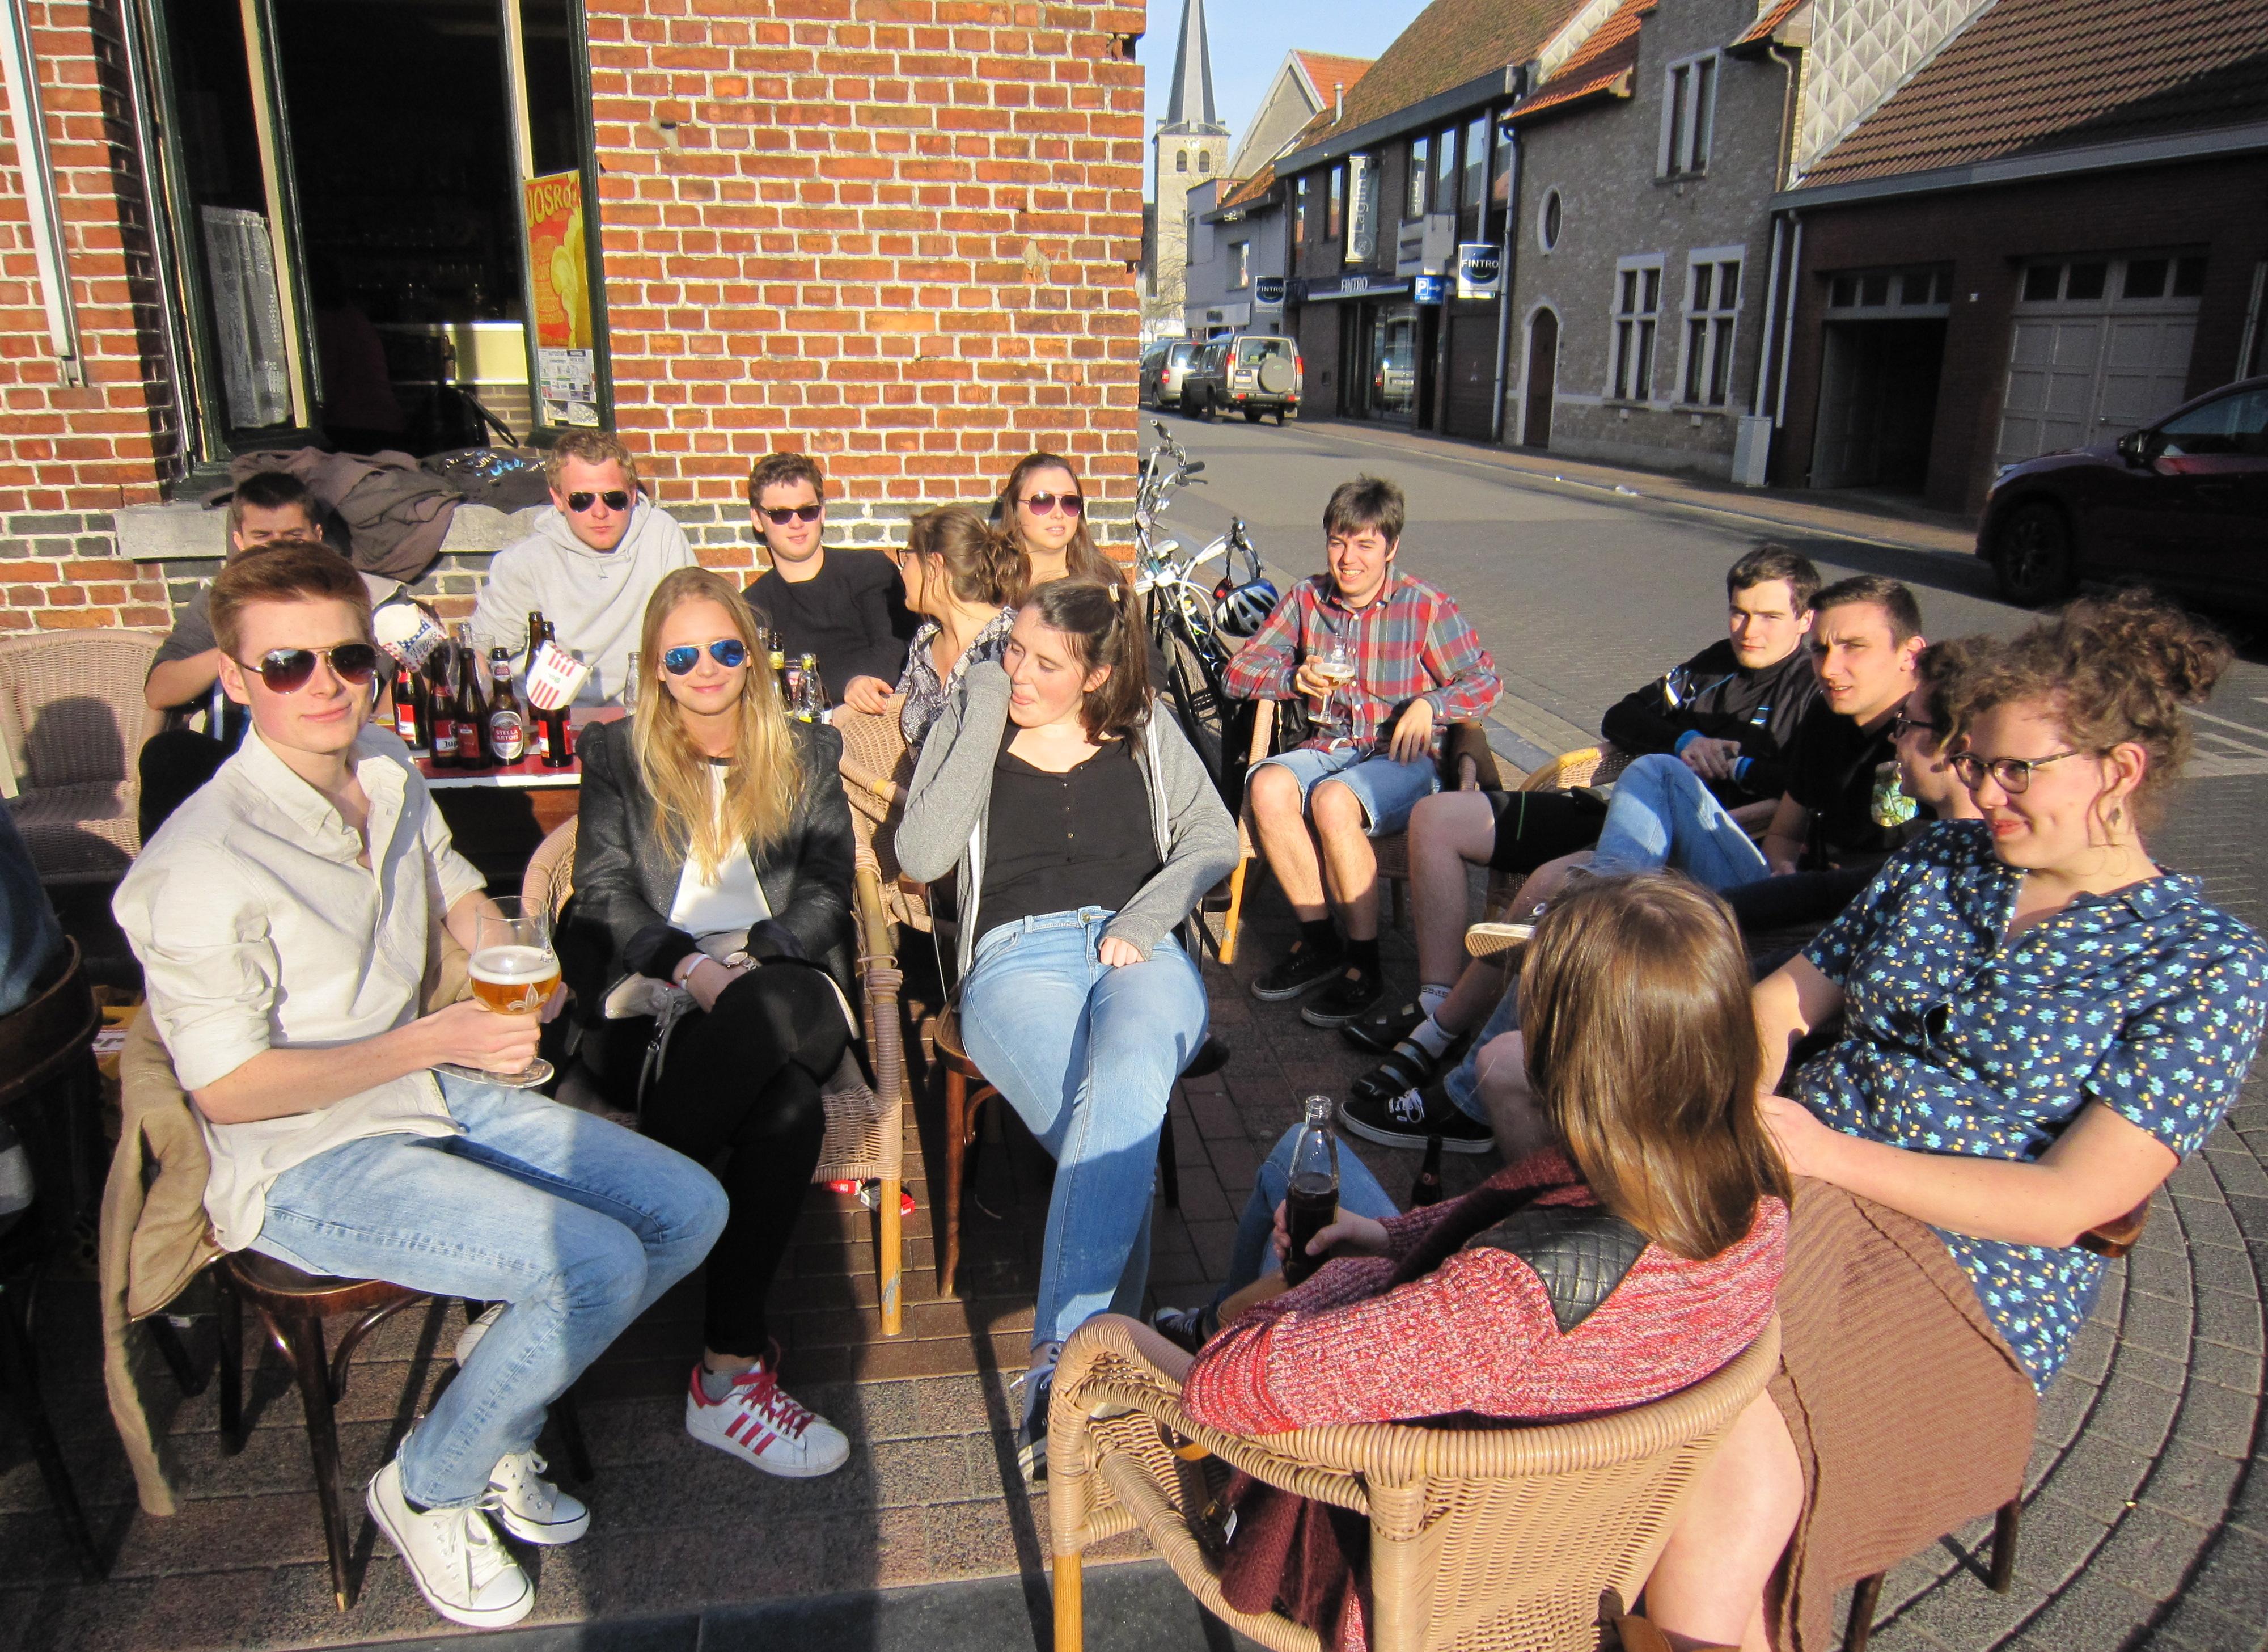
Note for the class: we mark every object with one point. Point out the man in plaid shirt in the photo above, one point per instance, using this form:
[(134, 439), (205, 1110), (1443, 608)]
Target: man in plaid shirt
[(1417, 666)]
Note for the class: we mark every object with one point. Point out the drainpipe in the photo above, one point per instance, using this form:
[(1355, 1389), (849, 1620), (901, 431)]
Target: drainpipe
[(1504, 293), (1787, 326), (1772, 314), (50, 253)]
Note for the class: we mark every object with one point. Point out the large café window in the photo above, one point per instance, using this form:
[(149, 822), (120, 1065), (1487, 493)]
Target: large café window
[(379, 214)]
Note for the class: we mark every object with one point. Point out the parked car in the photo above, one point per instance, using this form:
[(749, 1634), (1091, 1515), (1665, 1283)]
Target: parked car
[(2182, 504), (1252, 373), (1164, 366)]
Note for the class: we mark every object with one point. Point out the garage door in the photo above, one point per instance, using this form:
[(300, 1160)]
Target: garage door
[(2100, 345)]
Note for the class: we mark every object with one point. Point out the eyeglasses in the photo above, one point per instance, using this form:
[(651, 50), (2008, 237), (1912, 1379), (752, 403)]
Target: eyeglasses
[(793, 514), (286, 670), (1900, 726), (616, 499), (1047, 503), (728, 652), (2012, 775)]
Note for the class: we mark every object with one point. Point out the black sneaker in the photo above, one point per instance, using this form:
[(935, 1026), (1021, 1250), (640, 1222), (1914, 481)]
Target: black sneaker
[(1406, 1066), (1349, 998), (1407, 1119), (1303, 969), (1188, 1329), (1384, 1027)]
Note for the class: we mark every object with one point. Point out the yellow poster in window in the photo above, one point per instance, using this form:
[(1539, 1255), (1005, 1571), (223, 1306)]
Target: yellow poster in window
[(566, 371)]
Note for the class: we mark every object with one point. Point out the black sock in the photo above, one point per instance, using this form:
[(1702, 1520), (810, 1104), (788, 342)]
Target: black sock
[(1363, 955), (1320, 935)]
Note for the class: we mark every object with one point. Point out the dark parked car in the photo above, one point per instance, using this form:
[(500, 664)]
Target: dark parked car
[(2181, 504)]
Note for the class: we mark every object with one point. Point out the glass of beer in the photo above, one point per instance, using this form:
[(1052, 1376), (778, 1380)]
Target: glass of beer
[(514, 972), (1334, 664)]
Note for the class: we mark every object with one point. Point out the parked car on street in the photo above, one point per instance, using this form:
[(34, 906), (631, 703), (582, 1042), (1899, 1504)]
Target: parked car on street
[(1252, 373), (2181, 504), (1164, 366)]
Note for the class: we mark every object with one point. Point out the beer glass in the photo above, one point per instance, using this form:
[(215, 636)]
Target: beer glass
[(1335, 665), (514, 973)]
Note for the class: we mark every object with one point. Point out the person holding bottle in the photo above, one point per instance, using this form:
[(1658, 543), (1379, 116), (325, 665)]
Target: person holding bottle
[(1083, 831), (709, 943)]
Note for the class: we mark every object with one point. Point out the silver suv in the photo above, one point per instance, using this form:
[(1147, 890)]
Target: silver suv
[(1252, 373), (1164, 366)]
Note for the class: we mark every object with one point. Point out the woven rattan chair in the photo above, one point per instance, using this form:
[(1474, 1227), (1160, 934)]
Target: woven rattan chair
[(1502, 1538), (72, 722), (862, 1144), (877, 767)]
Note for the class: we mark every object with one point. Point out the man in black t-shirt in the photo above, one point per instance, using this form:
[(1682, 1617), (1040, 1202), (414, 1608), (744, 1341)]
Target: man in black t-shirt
[(847, 606)]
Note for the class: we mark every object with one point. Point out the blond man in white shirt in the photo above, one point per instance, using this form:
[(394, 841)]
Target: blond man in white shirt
[(284, 918)]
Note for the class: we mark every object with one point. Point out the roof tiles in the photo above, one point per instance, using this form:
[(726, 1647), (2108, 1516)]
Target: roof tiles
[(1598, 67), (1450, 42), (1327, 73)]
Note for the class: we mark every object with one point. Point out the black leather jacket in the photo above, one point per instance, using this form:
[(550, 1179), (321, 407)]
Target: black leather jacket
[(626, 877)]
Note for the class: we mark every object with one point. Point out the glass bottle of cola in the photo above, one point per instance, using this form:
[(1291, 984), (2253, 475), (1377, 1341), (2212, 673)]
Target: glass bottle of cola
[(1311, 1202)]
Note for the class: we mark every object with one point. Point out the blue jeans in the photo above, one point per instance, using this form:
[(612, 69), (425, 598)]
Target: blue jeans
[(578, 1223), (1252, 1255), (1663, 815), (1387, 790), (1463, 1084), (1087, 1055)]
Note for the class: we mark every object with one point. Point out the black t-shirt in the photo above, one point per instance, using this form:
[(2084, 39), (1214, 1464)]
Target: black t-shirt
[(1713, 694), (1058, 842), (851, 614), (1831, 770)]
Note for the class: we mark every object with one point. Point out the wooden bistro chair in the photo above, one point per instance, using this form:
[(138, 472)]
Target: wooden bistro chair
[(2113, 1239), (861, 1144), (1505, 1538)]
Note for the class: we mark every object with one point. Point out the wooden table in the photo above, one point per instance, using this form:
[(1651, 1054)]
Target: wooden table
[(553, 795), (499, 815)]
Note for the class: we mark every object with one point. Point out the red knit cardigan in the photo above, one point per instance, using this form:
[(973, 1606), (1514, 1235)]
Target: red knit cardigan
[(1477, 1335)]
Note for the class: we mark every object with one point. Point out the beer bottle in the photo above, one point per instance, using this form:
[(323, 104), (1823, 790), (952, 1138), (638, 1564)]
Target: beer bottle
[(1426, 1189), (536, 632), (1311, 1202), (472, 706), (553, 723), (507, 724), (441, 704), (407, 721)]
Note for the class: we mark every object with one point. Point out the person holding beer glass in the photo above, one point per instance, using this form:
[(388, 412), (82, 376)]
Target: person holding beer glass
[(709, 941), (1632, 1249), (284, 918), (1083, 831)]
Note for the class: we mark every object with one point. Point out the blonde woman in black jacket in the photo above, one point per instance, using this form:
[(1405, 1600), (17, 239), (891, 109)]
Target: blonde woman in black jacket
[(712, 897)]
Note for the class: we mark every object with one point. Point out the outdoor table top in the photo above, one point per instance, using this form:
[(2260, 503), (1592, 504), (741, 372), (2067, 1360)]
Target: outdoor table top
[(529, 773)]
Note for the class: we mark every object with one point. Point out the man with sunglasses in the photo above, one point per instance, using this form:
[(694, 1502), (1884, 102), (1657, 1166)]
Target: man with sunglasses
[(845, 606), (283, 921), (593, 559)]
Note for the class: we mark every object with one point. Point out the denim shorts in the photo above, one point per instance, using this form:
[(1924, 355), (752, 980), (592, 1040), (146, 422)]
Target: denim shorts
[(1387, 790)]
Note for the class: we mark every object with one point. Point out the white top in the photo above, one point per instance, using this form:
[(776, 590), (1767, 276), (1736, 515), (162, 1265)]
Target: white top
[(257, 929), (726, 907)]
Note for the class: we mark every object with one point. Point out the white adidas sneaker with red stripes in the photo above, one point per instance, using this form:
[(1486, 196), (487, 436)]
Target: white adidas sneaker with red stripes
[(759, 1423)]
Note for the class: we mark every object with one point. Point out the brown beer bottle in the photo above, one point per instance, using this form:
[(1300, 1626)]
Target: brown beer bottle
[(1426, 1189), (441, 705), (507, 723), (472, 706)]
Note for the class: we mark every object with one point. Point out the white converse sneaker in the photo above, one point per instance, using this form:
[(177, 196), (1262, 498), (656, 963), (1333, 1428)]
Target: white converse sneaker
[(454, 1557), (1038, 1386), (531, 1508), (760, 1424), (469, 1338)]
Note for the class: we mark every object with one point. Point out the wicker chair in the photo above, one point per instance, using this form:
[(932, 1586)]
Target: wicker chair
[(861, 1144), (72, 722), (877, 767), (1504, 1538)]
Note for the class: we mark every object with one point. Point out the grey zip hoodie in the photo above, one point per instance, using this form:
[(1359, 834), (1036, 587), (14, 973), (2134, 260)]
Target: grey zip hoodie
[(949, 808), (595, 600)]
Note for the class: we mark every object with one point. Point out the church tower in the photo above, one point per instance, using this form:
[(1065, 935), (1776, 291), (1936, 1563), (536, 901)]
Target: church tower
[(1189, 148)]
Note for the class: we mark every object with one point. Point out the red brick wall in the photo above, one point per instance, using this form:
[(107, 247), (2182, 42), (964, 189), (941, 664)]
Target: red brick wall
[(69, 456), (898, 234)]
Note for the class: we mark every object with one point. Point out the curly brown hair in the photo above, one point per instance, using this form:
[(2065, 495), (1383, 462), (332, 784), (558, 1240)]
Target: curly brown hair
[(2114, 670)]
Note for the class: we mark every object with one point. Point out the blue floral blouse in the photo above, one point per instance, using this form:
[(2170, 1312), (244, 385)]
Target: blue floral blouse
[(2150, 1001)]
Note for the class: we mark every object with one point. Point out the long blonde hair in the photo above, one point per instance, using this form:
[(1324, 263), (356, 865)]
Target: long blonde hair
[(763, 781)]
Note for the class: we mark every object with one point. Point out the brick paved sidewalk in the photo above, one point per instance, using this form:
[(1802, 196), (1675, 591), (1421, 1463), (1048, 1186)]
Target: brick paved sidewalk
[(2147, 1525)]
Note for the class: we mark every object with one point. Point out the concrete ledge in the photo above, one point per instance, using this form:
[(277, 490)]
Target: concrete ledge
[(188, 532)]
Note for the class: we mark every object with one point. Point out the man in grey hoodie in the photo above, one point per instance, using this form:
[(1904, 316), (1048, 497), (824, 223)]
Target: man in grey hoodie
[(593, 559)]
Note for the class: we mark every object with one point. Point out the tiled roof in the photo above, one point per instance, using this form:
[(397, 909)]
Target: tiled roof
[(1325, 73), (1450, 42), (2030, 76), (1250, 189), (1598, 69), (1769, 16)]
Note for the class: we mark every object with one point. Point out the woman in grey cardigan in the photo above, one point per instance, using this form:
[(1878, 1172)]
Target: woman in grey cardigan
[(1083, 831)]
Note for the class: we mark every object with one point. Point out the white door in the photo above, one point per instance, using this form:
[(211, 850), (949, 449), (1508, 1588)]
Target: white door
[(2053, 364), (2101, 346)]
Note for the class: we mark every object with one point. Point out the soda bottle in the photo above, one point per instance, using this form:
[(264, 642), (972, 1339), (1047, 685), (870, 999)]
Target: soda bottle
[(507, 726), (1426, 1189), (408, 715), (1311, 1202)]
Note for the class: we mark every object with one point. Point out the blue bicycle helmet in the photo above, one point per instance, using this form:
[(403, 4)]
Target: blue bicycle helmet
[(1241, 612)]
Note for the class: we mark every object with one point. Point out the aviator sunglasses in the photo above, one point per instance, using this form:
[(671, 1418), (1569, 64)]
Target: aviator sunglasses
[(788, 514), (728, 652), (616, 499), (286, 670), (1047, 503)]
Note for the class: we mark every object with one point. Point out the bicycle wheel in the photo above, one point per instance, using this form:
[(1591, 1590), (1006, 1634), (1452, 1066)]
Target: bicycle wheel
[(1201, 705)]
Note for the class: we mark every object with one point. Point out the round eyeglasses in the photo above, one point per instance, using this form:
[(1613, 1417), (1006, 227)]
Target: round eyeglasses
[(2012, 775)]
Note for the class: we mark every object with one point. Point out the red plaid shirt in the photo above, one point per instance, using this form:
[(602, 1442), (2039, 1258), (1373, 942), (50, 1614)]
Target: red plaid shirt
[(1410, 643)]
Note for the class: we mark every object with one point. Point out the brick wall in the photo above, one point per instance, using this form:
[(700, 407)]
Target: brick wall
[(69, 456)]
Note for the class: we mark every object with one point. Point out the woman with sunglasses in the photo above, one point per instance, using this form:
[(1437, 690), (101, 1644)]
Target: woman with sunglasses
[(2032, 1023), (962, 578), (1083, 831), (1042, 511), (714, 855)]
